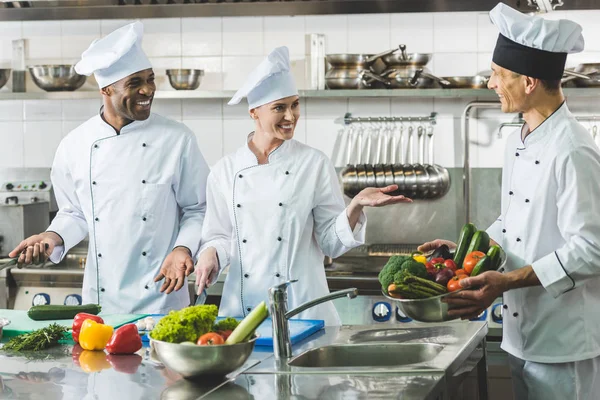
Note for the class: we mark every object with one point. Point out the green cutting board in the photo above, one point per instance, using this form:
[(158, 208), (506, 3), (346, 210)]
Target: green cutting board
[(20, 323)]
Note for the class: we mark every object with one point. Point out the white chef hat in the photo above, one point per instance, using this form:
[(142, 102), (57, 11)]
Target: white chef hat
[(270, 81), (532, 45), (115, 56)]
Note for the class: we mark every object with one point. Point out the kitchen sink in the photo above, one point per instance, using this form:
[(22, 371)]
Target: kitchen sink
[(367, 355)]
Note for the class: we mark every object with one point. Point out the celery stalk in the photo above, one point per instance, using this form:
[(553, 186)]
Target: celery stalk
[(249, 324)]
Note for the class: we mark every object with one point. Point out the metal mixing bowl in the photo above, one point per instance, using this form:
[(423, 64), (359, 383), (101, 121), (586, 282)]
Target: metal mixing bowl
[(3, 323), (185, 79), (4, 75), (55, 78), (194, 361), (431, 309)]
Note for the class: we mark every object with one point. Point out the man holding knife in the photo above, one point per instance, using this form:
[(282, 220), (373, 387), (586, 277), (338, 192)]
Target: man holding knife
[(131, 180)]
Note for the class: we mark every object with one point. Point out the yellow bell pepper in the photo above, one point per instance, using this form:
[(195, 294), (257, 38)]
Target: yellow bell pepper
[(94, 336), (420, 258), (93, 361)]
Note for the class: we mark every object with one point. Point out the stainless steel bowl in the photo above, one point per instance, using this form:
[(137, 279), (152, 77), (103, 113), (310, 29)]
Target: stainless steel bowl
[(4, 75), (3, 323), (56, 78), (431, 309), (194, 361), (185, 79)]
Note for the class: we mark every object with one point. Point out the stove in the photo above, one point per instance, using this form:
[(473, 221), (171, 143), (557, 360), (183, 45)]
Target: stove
[(26, 204)]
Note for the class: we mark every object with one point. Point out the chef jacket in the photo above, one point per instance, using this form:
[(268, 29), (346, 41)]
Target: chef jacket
[(273, 222), (551, 220), (138, 194)]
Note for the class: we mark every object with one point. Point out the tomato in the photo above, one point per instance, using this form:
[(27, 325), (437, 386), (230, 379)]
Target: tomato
[(450, 264), (210, 339), (471, 260), (437, 260), (461, 272), (454, 283)]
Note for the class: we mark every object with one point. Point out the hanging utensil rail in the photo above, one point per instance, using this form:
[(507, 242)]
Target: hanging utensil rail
[(349, 119)]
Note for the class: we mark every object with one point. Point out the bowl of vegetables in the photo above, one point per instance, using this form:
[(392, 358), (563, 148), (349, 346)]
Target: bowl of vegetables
[(191, 342), (418, 283)]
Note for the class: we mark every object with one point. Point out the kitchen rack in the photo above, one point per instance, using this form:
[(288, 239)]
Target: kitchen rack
[(483, 94)]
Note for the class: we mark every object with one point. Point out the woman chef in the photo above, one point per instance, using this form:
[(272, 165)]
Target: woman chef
[(274, 206)]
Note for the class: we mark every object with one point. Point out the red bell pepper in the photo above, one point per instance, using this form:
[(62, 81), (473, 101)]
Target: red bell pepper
[(78, 321), (125, 363), (125, 340)]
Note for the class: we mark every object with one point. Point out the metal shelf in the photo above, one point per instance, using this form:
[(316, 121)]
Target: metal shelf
[(125, 9), (226, 94)]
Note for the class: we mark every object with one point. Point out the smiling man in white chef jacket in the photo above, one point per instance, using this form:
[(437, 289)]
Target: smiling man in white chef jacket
[(133, 181), (549, 224)]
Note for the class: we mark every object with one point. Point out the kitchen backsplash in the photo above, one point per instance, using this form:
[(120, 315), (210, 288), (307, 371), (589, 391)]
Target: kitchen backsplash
[(229, 48)]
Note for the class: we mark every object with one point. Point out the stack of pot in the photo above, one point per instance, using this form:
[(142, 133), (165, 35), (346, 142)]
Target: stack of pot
[(393, 69)]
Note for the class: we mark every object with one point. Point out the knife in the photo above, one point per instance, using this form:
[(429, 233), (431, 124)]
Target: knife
[(11, 263), (201, 299)]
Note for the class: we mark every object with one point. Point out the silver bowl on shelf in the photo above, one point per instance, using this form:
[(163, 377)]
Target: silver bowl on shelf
[(56, 78), (4, 75), (194, 361), (431, 309), (185, 79)]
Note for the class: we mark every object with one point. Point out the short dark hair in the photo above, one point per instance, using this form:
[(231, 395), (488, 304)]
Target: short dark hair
[(551, 86)]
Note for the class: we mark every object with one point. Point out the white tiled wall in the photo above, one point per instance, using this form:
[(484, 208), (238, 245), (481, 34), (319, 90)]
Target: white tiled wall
[(228, 48)]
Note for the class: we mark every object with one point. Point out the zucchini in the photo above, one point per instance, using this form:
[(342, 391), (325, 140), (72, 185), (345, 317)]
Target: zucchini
[(482, 266), (466, 234), (249, 324), (51, 311), (494, 255), (479, 242)]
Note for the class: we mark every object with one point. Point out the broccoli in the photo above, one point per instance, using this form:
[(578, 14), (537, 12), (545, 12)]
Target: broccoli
[(414, 268), (386, 275), (227, 324), (185, 325)]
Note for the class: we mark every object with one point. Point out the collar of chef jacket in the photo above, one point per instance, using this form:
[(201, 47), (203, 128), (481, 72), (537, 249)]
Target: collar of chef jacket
[(543, 132), (247, 158), (134, 125)]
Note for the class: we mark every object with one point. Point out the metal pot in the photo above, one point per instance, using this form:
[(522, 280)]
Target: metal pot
[(591, 70), (358, 78), (350, 61), (402, 59), (465, 82), (408, 78)]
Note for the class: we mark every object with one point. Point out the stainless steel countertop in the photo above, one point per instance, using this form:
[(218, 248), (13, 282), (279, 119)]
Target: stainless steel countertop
[(57, 374)]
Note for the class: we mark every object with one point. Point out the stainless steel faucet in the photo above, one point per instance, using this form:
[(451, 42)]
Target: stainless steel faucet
[(282, 346)]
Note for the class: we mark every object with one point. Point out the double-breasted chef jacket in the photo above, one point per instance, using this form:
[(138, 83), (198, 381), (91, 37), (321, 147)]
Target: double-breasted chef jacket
[(274, 222), (138, 194), (550, 219)]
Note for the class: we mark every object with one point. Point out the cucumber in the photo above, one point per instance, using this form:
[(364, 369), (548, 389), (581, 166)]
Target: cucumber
[(482, 266), (479, 242), (466, 234), (494, 255), (50, 311)]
